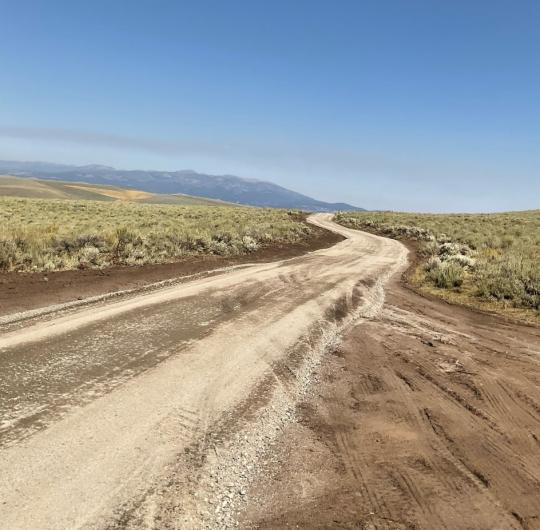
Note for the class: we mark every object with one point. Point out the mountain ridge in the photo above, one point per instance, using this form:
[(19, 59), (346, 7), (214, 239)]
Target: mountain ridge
[(229, 188)]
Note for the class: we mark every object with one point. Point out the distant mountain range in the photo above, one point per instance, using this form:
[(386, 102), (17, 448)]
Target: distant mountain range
[(34, 188), (223, 187)]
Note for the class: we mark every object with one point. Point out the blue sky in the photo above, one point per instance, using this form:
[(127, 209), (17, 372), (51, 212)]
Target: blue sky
[(407, 105)]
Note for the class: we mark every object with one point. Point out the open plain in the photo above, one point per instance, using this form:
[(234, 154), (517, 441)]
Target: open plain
[(313, 392)]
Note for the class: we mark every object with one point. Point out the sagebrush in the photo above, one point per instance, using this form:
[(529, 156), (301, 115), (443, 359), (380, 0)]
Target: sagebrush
[(48, 234), (489, 257)]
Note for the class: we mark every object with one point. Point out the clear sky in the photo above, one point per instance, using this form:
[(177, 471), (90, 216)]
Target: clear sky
[(409, 105)]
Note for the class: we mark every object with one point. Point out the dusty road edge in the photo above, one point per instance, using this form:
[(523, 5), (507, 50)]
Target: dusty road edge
[(22, 316), (57, 308)]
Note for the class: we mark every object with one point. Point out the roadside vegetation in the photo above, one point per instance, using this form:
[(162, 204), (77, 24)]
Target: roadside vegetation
[(483, 259), (48, 234)]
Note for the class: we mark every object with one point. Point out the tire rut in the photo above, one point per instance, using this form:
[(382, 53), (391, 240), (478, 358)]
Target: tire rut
[(426, 419)]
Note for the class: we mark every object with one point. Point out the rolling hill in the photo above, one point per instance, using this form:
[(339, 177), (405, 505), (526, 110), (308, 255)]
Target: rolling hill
[(12, 186), (224, 188)]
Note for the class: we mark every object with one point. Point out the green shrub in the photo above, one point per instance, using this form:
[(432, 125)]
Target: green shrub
[(447, 275), (512, 278)]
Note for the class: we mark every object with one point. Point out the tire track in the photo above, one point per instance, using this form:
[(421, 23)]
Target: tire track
[(428, 418)]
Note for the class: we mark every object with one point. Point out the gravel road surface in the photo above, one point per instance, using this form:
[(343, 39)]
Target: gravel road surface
[(154, 411)]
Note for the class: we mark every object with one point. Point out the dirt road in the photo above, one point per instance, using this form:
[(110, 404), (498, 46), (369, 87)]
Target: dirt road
[(133, 412), (222, 401)]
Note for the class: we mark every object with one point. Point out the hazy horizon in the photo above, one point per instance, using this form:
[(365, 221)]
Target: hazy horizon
[(410, 107)]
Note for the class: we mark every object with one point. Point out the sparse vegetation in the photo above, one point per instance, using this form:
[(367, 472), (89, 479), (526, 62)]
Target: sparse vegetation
[(48, 234), (483, 258)]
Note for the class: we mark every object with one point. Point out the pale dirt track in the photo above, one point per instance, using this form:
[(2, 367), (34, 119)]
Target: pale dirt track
[(227, 401), (117, 415)]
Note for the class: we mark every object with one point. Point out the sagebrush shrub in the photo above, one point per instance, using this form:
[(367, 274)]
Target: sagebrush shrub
[(496, 255), (38, 234), (447, 275)]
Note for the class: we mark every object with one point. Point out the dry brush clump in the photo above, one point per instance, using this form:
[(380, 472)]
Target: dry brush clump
[(48, 234), (487, 257)]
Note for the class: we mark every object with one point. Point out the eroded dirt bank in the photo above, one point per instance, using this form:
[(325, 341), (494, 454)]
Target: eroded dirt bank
[(427, 417)]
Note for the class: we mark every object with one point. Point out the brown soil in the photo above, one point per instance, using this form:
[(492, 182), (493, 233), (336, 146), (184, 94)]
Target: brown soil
[(428, 417), (24, 291)]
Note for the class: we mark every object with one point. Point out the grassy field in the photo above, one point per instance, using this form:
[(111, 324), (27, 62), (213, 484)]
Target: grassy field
[(484, 259), (24, 187), (52, 234)]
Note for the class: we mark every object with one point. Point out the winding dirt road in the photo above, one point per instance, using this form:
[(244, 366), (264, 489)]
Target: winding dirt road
[(143, 412), (228, 401)]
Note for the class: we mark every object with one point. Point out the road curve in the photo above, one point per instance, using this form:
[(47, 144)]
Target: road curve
[(123, 413)]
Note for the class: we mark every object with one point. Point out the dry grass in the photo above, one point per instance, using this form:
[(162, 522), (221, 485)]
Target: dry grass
[(32, 188), (119, 194), (490, 259), (45, 235)]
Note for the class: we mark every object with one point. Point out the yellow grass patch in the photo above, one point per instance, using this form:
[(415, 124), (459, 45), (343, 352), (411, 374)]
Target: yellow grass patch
[(121, 195)]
